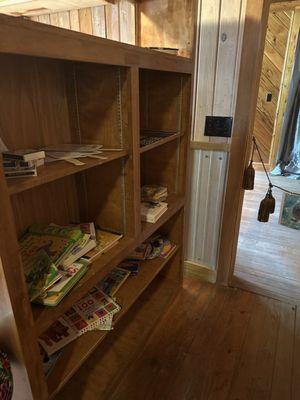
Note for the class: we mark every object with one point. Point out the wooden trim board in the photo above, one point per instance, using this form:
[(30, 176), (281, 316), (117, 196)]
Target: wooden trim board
[(211, 146), (200, 271), (256, 17), (96, 49)]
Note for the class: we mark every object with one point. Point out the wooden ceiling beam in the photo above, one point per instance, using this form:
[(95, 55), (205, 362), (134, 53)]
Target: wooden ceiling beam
[(40, 7)]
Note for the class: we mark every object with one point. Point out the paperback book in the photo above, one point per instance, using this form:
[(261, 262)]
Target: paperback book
[(113, 281), (92, 312), (151, 212), (105, 241), (40, 273), (69, 277), (56, 241)]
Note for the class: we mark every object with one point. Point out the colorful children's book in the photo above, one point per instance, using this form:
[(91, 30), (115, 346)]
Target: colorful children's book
[(161, 246), (55, 240), (69, 277), (105, 241), (87, 243), (89, 313), (58, 335), (40, 273), (113, 281)]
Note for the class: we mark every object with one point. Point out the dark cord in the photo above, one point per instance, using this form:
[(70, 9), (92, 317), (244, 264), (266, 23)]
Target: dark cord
[(266, 172)]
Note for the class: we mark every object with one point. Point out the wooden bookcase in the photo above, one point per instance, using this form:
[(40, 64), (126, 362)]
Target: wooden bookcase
[(59, 86)]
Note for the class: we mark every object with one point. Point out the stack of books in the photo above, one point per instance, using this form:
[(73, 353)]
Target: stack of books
[(22, 163), (94, 312), (56, 257), (154, 203)]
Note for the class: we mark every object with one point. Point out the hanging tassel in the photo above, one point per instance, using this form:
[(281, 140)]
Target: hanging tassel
[(249, 177), (249, 174), (267, 207), (272, 202)]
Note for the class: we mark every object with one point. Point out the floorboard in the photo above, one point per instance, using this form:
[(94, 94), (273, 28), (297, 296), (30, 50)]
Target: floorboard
[(213, 343), (268, 254)]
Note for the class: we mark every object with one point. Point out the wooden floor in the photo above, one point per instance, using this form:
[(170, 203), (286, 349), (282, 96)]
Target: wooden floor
[(268, 256), (213, 343)]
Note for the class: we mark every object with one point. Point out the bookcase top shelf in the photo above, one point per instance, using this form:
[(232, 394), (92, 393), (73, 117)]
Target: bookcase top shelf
[(21, 36), (59, 169)]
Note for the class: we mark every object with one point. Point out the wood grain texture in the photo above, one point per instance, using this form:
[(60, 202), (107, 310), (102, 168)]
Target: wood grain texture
[(251, 61), (40, 7), (115, 19), (165, 23), (220, 29), (212, 343), (285, 84), (79, 350), (74, 46), (268, 254), (270, 80), (63, 94)]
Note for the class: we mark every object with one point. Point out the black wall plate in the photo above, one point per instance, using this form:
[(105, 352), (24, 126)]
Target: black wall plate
[(218, 126)]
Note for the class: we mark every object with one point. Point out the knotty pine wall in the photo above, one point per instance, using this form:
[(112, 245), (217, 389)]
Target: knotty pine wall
[(112, 21), (279, 24)]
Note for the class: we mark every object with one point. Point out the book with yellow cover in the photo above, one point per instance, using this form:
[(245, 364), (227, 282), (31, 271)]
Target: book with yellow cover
[(105, 241)]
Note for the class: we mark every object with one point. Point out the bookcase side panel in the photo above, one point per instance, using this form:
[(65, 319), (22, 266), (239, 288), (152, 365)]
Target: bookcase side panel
[(17, 330), (132, 166)]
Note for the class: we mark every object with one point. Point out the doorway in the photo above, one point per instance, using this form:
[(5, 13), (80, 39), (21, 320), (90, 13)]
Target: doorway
[(242, 265), (268, 254)]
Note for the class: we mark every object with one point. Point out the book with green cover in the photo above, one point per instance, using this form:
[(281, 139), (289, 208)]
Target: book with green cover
[(40, 273), (69, 277), (56, 241)]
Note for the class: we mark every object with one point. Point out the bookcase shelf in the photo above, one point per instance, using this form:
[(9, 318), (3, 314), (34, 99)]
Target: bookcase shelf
[(58, 170), (66, 87), (77, 351), (160, 142), (45, 316)]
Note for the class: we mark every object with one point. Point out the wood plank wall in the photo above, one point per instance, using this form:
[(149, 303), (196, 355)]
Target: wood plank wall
[(273, 63), (220, 27), (218, 51), (112, 21), (165, 23), (207, 187)]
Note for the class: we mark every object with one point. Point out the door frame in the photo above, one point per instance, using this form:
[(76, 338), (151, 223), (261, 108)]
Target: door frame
[(255, 28)]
